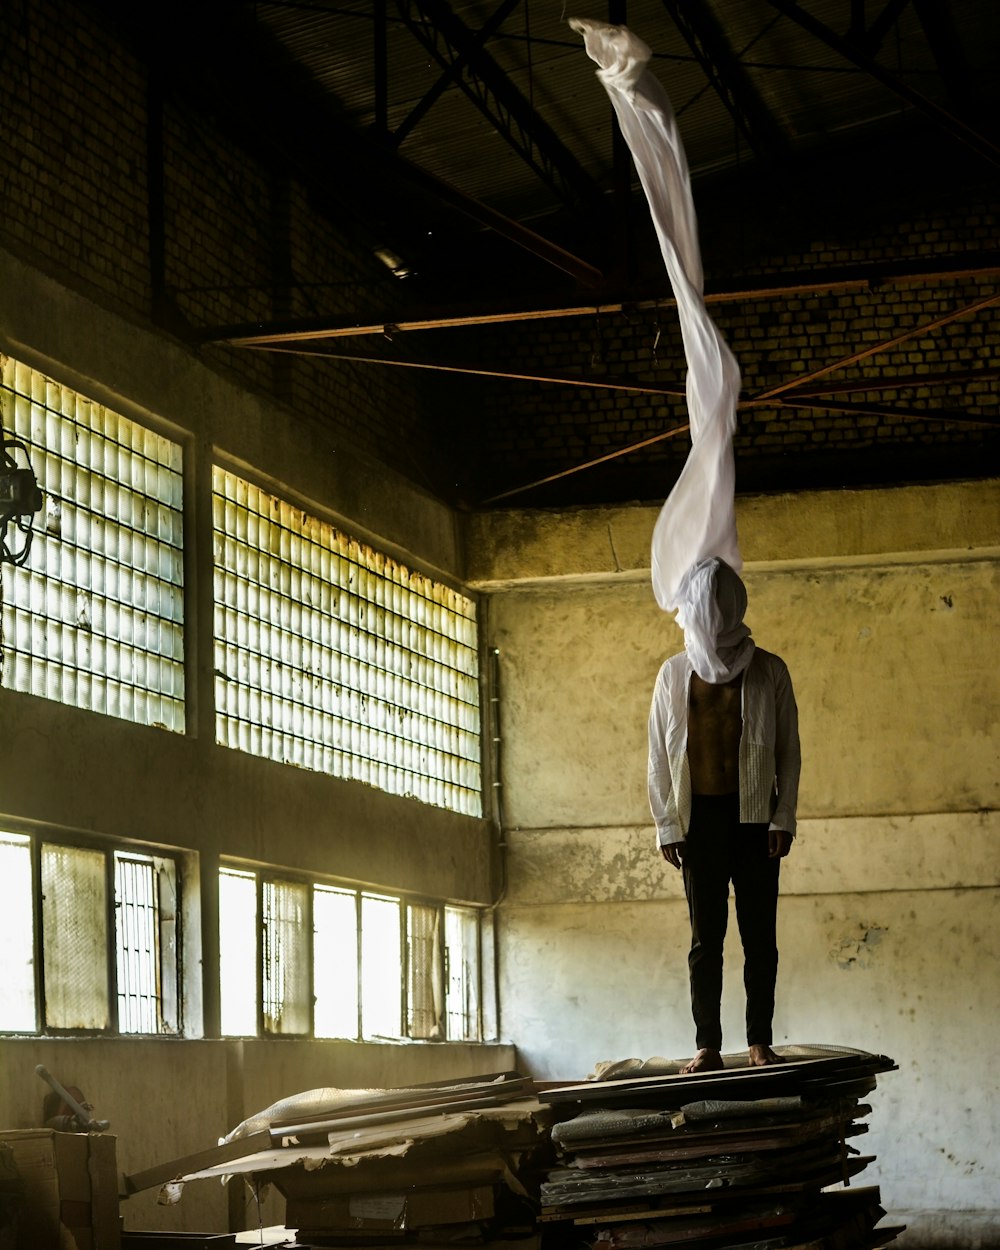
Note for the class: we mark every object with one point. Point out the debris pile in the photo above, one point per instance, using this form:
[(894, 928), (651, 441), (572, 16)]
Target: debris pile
[(445, 1163)]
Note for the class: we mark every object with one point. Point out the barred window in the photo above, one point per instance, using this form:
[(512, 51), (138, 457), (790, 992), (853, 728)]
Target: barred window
[(95, 617), (376, 966), (333, 657), (89, 902)]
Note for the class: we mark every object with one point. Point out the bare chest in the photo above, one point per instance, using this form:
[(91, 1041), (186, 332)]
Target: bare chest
[(715, 725)]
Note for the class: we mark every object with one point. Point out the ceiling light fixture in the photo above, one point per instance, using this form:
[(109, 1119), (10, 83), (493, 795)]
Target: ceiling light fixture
[(394, 263)]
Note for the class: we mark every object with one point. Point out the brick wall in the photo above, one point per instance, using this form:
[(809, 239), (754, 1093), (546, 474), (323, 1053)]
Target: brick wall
[(529, 430), (74, 201), (243, 240)]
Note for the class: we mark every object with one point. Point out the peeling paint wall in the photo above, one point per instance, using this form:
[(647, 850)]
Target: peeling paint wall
[(890, 897)]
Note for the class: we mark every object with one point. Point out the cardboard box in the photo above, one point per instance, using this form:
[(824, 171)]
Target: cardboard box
[(389, 1175), (392, 1212), (70, 1189)]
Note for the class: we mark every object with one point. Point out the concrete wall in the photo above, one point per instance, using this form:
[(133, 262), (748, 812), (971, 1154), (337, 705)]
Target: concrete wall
[(884, 605)]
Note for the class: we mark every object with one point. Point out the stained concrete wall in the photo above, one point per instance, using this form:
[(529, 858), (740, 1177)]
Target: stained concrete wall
[(884, 604)]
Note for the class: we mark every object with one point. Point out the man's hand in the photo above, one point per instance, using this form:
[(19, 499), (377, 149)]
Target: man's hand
[(673, 853), (779, 843)]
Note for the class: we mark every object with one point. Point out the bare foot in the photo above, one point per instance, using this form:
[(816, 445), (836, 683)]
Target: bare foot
[(762, 1056), (704, 1061)]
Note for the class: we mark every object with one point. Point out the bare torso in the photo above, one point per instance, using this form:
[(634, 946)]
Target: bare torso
[(715, 723)]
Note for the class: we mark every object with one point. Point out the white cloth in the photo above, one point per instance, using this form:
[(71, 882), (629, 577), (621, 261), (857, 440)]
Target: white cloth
[(713, 600), (699, 516), (769, 755)]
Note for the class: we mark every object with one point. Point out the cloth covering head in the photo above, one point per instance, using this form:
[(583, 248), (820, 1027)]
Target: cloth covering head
[(712, 601)]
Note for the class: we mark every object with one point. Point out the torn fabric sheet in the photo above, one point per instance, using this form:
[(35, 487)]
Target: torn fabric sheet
[(315, 1104), (699, 516)]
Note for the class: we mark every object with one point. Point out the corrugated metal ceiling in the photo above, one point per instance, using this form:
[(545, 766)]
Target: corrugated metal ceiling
[(809, 89)]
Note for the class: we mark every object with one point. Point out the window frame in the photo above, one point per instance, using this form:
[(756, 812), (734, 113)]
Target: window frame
[(84, 391), (383, 552), (268, 873), (107, 848)]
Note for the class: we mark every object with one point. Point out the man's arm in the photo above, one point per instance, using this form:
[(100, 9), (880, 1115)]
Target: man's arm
[(779, 843), (662, 802), (673, 853)]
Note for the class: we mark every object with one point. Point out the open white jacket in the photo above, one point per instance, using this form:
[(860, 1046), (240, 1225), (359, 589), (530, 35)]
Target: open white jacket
[(770, 759)]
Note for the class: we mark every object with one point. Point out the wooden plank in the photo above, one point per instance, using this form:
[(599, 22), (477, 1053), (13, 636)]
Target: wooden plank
[(175, 1168)]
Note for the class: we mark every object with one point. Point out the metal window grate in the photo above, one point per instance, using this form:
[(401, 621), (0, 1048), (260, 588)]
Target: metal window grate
[(286, 957), (137, 953), (95, 618), (333, 657), (423, 971)]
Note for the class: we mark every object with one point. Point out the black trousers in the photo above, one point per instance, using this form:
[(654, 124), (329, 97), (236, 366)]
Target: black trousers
[(719, 850)]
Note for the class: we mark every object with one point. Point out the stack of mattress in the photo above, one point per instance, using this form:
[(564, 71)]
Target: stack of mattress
[(652, 1157)]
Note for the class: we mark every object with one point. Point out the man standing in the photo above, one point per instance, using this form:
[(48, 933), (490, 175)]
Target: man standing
[(723, 783)]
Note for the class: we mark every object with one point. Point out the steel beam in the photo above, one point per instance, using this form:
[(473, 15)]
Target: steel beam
[(938, 25), (446, 38), (445, 80), (871, 36), (604, 382), (730, 81), (902, 382), (589, 464), (846, 48), (886, 410), (830, 281)]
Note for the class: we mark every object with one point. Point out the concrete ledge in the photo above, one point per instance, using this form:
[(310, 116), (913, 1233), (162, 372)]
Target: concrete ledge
[(811, 529), (854, 855), (947, 1230)]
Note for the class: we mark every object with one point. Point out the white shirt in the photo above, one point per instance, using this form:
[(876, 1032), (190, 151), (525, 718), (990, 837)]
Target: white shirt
[(769, 762)]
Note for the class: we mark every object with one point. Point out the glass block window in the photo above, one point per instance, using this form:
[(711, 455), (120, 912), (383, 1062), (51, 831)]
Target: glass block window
[(95, 617), (333, 657)]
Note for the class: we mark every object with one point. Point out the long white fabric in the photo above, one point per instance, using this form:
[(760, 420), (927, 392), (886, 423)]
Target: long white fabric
[(698, 519)]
